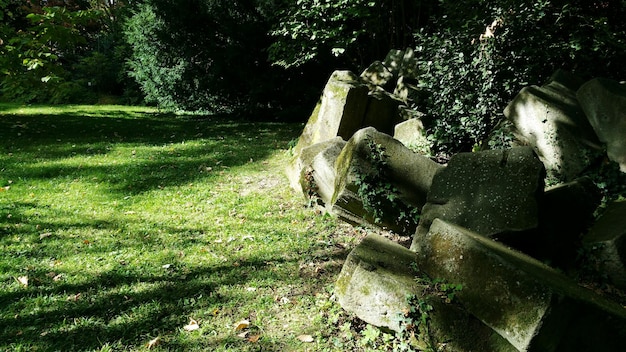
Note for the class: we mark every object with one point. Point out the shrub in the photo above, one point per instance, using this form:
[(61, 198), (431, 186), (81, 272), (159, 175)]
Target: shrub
[(477, 55)]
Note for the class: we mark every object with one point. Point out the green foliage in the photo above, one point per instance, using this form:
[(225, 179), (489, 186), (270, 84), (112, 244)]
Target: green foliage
[(47, 50), (359, 31), (202, 54), (476, 55), (415, 331), (379, 196)]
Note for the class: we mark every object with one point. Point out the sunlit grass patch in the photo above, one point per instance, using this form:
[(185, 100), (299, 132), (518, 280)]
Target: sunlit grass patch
[(119, 226)]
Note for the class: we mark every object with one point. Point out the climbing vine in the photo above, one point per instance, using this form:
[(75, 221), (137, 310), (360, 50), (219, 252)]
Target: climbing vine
[(380, 197)]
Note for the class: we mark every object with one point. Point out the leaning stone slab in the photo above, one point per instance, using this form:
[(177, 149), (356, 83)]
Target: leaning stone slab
[(340, 111), (531, 305), (412, 134), (375, 282), (407, 90), (550, 120), (607, 241), (604, 103), (408, 172), (393, 61), (377, 74), (566, 212), (322, 171), (304, 159), (382, 111), (493, 192)]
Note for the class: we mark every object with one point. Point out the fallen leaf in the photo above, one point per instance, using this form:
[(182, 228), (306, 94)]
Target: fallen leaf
[(243, 324), (306, 338), (192, 326), (23, 280), (254, 338), (44, 235), (74, 297), (154, 342)]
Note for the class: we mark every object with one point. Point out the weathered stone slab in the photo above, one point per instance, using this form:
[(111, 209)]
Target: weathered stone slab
[(322, 171), (565, 213), (607, 241), (531, 305), (412, 134), (377, 74), (493, 192), (410, 65), (304, 159), (407, 90), (375, 283), (550, 120), (566, 79), (382, 111), (393, 61), (408, 172), (604, 103), (340, 111)]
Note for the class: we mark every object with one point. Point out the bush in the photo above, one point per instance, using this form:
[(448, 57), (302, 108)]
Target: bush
[(477, 55)]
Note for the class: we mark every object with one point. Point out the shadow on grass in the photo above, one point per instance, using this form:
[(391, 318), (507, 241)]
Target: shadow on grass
[(135, 153), (159, 309), (175, 150)]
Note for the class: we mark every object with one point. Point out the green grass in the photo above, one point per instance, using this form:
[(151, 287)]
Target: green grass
[(128, 223)]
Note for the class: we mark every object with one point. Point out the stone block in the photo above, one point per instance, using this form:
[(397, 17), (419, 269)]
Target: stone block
[(406, 89), (322, 170), (529, 304), (408, 172), (340, 111), (382, 111), (304, 159), (375, 282), (393, 61), (493, 192), (607, 241), (377, 74), (412, 134), (549, 119), (604, 103)]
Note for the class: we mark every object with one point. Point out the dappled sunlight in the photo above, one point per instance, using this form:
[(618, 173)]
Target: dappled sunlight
[(116, 231)]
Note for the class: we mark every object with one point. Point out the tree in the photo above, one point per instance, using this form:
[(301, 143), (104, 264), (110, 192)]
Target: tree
[(45, 46), (201, 54)]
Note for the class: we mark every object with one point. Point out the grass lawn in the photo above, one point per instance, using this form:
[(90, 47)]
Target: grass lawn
[(123, 229)]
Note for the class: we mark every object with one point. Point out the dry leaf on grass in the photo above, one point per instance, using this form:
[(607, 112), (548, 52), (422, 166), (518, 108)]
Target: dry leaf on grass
[(306, 338), (254, 338), (154, 342), (243, 324), (44, 235), (23, 280), (192, 326)]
